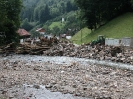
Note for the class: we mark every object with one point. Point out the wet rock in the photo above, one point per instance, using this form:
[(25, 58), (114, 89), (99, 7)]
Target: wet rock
[(47, 68), (49, 85), (69, 89), (4, 92), (36, 86), (115, 50)]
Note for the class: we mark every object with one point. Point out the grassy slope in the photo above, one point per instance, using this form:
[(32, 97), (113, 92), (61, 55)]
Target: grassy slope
[(82, 33), (119, 27), (58, 24)]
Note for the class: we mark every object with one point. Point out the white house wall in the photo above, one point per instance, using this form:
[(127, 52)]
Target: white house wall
[(68, 37), (127, 41), (116, 42), (112, 42), (132, 42), (21, 40)]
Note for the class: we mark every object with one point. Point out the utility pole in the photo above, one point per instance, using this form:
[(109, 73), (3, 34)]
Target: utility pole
[(81, 30), (81, 34), (80, 24)]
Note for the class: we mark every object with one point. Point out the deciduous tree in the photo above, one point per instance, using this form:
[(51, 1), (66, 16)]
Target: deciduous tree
[(97, 11), (10, 19)]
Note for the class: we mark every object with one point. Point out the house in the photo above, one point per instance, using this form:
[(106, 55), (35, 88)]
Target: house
[(23, 35), (63, 35), (40, 30), (66, 36)]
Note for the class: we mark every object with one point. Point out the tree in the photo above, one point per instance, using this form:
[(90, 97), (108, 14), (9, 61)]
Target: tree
[(69, 6), (44, 14), (3, 16), (131, 2), (10, 19), (97, 11), (26, 25), (56, 30), (36, 14), (47, 13)]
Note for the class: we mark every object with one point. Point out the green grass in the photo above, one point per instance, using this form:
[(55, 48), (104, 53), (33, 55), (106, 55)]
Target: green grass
[(119, 27), (82, 33), (58, 24)]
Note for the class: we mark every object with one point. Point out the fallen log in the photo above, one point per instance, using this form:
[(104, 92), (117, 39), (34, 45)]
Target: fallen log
[(39, 52)]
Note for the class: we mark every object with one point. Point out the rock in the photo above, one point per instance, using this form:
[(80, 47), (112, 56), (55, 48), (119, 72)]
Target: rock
[(113, 58), (4, 92), (49, 85), (102, 58), (115, 50), (74, 86), (36, 86), (69, 89)]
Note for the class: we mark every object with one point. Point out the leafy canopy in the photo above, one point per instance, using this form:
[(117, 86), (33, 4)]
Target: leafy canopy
[(10, 19), (97, 12)]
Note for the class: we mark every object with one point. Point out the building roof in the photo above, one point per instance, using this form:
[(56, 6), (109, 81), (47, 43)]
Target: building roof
[(23, 32), (40, 30)]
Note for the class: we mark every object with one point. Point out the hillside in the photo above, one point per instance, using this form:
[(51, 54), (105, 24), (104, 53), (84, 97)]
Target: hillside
[(119, 27), (48, 14), (35, 10)]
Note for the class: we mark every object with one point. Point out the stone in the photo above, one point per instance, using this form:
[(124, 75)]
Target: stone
[(36, 86), (49, 85)]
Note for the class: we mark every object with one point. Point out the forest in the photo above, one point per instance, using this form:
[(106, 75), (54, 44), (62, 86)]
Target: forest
[(9, 20), (41, 13), (43, 10), (97, 12), (77, 14)]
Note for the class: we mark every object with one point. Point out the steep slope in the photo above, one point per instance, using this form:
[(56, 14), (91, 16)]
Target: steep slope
[(119, 27)]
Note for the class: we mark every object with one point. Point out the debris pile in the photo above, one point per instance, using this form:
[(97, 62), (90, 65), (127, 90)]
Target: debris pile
[(34, 49), (38, 47), (30, 47), (7, 48), (98, 52), (53, 47)]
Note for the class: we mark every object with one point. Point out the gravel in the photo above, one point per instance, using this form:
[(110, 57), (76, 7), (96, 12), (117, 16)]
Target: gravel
[(70, 76)]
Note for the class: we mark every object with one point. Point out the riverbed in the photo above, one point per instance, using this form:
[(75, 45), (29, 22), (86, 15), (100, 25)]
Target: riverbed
[(43, 77)]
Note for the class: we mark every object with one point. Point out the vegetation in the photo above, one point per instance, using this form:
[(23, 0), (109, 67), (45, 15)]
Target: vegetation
[(56, 26), (9, 20), (98, 12), (92, 14), (119, 27), (35, 9), (44, 12)]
